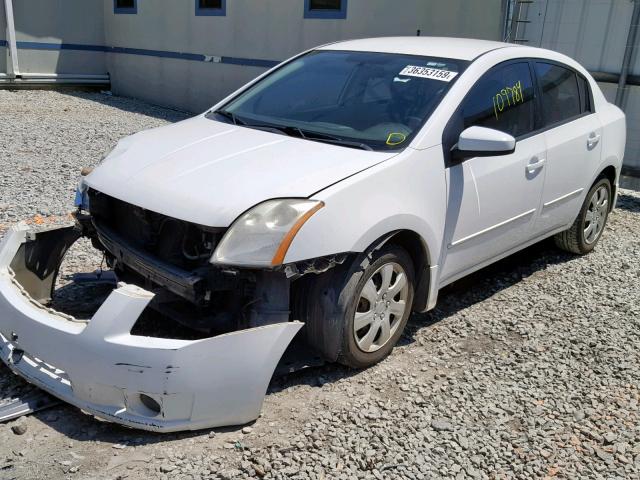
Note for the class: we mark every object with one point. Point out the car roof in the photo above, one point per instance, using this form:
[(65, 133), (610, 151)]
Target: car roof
[(445, 47)]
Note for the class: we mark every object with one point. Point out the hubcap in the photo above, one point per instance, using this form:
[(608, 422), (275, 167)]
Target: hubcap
[(596, 215), (381, 306)]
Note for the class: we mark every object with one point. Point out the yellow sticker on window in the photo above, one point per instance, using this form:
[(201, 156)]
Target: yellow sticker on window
[(396, 139), (507, 97)]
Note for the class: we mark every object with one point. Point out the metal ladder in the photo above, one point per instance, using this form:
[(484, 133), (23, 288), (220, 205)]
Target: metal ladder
[(515, 19)]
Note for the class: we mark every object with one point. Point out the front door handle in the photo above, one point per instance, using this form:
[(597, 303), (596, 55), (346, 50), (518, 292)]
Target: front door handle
[(593, 140), (535, 164)]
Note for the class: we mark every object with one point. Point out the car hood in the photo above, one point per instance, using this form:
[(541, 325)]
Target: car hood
[(208, 172)]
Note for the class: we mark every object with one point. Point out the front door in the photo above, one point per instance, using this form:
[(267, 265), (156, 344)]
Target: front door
[(493, 202)]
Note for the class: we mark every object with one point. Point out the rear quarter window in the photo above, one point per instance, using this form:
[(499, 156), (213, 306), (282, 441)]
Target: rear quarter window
[(586, 101)]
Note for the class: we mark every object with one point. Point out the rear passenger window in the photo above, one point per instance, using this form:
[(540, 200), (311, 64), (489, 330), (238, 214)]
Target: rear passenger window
[(560, 93), (585, 95), (503, 100)]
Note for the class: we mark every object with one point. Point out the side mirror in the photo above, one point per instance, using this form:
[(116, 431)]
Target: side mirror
[(483, 142)]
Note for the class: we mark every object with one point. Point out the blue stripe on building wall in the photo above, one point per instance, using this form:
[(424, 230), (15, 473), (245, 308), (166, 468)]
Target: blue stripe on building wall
[(195, 57), (59, 46)]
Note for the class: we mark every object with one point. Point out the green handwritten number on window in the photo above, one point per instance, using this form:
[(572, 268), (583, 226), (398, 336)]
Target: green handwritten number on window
[(507, 97)]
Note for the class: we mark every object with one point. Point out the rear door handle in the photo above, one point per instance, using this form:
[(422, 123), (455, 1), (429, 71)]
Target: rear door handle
[(593, 140), (535, 164)]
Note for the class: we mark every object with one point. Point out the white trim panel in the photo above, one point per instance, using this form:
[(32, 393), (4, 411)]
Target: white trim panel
[(564, 197), (489, 229)]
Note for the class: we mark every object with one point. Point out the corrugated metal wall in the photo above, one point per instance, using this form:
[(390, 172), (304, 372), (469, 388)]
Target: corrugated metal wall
[(595, 33), (4, 52)]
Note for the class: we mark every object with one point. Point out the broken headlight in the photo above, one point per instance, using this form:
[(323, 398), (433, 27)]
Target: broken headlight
[(261, 236)]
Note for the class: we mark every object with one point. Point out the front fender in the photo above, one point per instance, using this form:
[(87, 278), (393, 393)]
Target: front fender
[(407, 192)]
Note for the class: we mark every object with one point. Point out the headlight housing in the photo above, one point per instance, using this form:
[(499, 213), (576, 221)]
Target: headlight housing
[(261, 236)]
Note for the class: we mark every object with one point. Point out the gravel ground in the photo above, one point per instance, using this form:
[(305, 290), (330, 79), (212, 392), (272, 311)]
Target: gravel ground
[(527, 369)]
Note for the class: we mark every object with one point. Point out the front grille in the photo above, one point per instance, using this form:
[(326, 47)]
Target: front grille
[(185, 245)]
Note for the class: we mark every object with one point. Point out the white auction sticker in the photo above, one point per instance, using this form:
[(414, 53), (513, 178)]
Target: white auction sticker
[(431, 73)]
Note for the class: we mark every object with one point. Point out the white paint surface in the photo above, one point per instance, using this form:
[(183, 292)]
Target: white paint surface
[(467, 216), (101, 368)]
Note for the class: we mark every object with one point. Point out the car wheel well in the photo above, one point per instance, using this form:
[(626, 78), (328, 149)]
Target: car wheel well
[(610, 174), (417, 250)]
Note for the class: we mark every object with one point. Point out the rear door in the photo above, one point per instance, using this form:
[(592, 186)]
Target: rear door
[(493, 202), (572, 133)]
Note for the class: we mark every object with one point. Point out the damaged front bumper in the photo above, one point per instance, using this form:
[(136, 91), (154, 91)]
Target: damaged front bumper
[(150, 383)]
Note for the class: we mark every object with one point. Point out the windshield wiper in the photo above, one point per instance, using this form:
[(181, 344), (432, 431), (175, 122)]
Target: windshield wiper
[(268, 128), (344, 143), (295, 132), (230, 116), (322, 137), (313, 136)]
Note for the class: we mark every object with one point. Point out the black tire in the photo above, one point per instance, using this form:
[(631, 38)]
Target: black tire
[(327, 304), (574, 239)]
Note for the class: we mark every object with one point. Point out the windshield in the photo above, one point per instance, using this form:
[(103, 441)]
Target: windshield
[(375, 101)]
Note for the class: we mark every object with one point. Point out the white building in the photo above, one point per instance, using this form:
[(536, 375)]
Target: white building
[(190, 53)]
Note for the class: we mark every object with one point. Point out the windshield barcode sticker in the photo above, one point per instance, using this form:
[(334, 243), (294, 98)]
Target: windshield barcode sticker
[(431, 73)]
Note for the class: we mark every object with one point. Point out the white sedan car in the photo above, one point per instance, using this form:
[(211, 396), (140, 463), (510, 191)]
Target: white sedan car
[(335, 195)]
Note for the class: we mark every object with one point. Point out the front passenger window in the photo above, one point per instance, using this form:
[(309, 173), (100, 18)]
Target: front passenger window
[(503, 100)]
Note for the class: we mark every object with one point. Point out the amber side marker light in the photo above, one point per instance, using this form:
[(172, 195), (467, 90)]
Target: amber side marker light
[(278, 258)]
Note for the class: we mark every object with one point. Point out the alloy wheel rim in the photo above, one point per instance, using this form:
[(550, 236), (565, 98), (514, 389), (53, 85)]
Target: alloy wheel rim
[(382, 304), (596, 215)]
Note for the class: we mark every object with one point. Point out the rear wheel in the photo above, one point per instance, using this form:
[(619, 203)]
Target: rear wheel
[(356, 314), (587, 229)]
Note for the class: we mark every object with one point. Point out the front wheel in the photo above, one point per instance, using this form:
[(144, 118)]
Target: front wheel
[(355, 315), (381, 309), (587, 229)]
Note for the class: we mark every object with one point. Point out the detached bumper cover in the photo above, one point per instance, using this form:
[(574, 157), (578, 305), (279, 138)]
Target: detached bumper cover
[(101, 368)]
